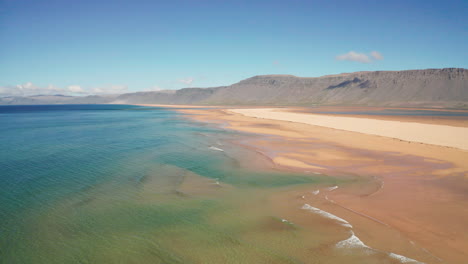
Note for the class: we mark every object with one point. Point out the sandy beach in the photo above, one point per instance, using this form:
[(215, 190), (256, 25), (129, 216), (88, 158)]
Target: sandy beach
[(441, 135), (411, 182)]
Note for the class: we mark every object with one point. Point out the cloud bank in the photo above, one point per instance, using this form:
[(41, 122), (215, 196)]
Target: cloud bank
[(76, 89), (360, 57), (29, 89), (110, 89)]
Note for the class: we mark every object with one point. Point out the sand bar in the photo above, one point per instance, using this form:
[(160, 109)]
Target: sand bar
[(441, 135)]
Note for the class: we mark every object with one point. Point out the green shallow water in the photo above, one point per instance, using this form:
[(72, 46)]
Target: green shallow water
[(128, 184)]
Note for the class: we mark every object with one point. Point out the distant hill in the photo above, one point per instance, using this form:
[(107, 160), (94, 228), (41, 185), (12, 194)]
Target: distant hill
[(420, 88)]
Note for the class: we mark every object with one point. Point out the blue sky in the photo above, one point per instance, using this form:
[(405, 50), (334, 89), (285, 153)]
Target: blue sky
[(96, 46)]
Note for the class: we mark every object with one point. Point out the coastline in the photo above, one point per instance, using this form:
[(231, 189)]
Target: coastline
[(419, 189)]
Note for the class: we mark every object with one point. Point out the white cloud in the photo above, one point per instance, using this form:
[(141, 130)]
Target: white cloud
[(354, 56), (376, 55), (26, 86), (187, 81), (7, 90), (360, 57), (52, 89), (110, 89), (76, 89), (153, 88), (28, 89)]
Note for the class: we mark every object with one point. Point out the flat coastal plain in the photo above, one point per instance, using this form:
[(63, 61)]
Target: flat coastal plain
[(408, 189)]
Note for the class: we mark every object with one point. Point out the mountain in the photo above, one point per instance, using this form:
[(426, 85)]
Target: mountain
[(420, 88), (433, 87)]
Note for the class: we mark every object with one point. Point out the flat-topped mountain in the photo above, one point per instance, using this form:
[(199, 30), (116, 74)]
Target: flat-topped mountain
[(445, 87), (425, 88)]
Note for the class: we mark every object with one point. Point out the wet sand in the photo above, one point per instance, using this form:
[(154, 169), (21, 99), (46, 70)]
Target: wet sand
[(406, 191)]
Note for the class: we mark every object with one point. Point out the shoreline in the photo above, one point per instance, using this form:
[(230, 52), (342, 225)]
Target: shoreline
[(420, 189)]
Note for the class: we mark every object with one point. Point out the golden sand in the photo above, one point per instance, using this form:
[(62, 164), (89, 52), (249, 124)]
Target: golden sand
[(441, 135)]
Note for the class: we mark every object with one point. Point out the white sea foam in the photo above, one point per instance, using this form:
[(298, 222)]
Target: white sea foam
[(216, 182), (215, 148), (352, 242), (327, 215), (332, 188), (403, 259), (315, 192)]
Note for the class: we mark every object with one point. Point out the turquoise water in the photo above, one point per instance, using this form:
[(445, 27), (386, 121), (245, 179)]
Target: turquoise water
[(130, 184)]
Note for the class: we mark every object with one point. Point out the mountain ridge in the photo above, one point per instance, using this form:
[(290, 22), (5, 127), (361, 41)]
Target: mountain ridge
[(447, 87)]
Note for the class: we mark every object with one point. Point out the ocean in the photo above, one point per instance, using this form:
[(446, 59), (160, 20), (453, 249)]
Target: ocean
[(133, 184)]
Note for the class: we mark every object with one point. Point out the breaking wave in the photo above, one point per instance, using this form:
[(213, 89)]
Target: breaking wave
[(327, 215), (353, 242), (215, 148)]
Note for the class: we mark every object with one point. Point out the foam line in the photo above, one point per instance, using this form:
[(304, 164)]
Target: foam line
[(403, 259), (352, 242), (327, 215), (215, 148)]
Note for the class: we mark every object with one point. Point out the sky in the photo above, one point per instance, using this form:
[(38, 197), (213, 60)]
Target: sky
[(107, 47)]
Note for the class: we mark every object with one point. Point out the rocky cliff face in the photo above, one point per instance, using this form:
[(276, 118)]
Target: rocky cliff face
[(428, 88)]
